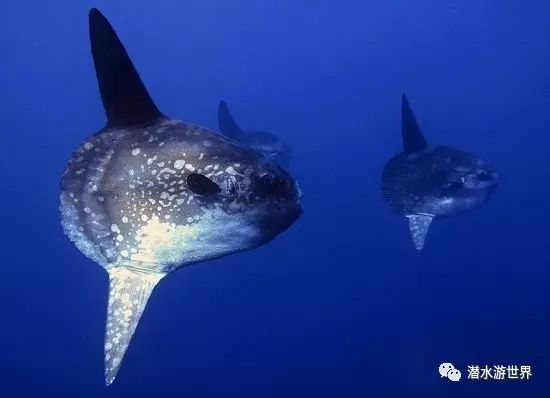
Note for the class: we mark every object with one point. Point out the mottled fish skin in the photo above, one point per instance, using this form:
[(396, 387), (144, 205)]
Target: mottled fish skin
[(123, 187), (127, 205), (440, 181)]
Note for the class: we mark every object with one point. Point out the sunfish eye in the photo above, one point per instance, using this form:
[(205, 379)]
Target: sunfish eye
[(201, 185), (267, 179), (484, 175)]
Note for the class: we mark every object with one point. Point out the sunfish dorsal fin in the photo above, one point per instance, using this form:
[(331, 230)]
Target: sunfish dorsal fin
[(129, 291), (419, 224), (413, 139), (226, 123), (125, 99)]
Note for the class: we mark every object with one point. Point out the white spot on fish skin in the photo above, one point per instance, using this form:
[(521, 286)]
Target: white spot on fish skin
[(189, 167), (88, 146), (178, 164), (87, 210), (115, 228), (201, 156), (131, 172), (161, 164), (124, 253), (230, 170), (166, 170), (189, 219), (144, 217), (124, 219), (136, 151), (120, 238)]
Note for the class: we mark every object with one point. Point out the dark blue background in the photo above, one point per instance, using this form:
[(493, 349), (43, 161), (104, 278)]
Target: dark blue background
[(341, 305)]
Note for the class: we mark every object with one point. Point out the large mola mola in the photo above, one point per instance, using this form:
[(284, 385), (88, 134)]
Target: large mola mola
[(267, 143), (147, 194), (423, 182)]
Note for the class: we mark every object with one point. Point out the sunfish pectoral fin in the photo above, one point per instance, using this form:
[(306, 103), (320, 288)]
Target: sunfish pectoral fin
[(419, 224), (226, 123), (413, 139), (125, 99), (129, 291)]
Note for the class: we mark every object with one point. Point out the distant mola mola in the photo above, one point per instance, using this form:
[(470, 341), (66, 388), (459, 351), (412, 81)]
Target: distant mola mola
[(270, 145), (147, 194), (424, 182)]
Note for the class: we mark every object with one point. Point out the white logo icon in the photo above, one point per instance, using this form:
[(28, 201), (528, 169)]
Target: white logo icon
[(446, 369)]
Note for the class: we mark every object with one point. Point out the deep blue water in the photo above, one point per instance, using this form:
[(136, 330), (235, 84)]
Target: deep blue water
[(340, 305)]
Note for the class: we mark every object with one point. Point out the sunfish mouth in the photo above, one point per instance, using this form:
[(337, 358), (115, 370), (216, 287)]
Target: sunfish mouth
[(299, 192)]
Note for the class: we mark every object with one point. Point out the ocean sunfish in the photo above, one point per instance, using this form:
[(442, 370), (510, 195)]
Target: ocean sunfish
[(147, 194), (270, 145), (423, 182)]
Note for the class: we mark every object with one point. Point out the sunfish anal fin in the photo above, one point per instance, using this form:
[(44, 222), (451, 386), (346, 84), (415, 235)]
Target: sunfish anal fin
[(419, 224), (129, 291)]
